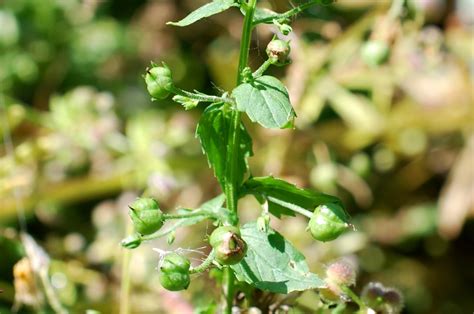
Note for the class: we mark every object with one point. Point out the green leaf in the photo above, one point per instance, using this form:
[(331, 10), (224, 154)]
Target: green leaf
[(281, 195), (266, 101), (211, 8), (213, 131), (262, 13), (273, 264)]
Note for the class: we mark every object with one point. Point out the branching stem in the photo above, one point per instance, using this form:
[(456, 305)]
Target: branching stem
[(259, 72), (201, 97)]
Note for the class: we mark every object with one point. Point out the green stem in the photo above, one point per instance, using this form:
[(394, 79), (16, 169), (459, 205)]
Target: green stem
[(183, 216), (262, 69), (290, 206), (205, 264), (246, 38), (287, 14), (229, 290), (200, 96), (231, 182)]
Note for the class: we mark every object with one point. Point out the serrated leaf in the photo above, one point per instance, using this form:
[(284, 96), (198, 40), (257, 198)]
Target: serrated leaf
[(273, 264), (266, 101), (209, 9), (213, 132), (281, 195)]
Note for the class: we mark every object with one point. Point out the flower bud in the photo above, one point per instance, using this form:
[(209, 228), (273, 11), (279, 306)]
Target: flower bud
[(159, 82), (375, 52), (132, 241), (174, 272), (146, 215), (229, 246), (341, 273), (328, 222), (278, 52)]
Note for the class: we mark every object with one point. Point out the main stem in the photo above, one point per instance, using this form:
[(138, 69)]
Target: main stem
[(232, 154)]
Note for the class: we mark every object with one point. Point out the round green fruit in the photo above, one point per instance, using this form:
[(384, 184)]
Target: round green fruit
[(328, 222), (146, 216), (159, 81), (174, 272)]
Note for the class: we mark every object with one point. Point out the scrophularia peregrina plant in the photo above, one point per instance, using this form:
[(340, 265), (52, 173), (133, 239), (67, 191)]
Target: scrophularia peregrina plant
[(253, 254)]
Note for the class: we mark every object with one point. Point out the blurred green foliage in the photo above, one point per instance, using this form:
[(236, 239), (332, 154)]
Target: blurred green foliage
[(80, 140)]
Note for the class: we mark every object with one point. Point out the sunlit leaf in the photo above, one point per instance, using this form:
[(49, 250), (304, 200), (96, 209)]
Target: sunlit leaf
[(266, 101), (281, 195), (209, 9), (273, 264)]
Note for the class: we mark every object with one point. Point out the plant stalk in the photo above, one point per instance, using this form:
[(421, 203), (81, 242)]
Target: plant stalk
[(262, 69), (232, 183)]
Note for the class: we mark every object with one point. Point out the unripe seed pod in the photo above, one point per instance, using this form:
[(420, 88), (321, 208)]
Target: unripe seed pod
[(174, 281), (175, 262), (375, 52), (159, 82), (229, 246), (278, 52), (328, 222), (174, 272), (146, 216), (132, 241)]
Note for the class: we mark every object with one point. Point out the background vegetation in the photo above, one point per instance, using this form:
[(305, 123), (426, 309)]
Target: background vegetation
[(80, 139)]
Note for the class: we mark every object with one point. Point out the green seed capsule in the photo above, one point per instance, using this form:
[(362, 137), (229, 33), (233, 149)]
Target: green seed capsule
[(375, 52), (328, 222), (278, 52), (146, 216), (175, 262), (229, 246), (159, 82), (174, 272)]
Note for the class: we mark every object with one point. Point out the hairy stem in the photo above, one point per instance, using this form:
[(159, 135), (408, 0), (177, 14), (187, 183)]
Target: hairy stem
[(184, 216), (259, 72), (200, 96), (231, 182), (204, 265)]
